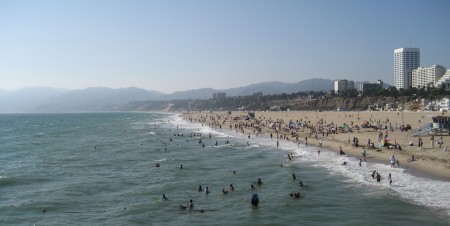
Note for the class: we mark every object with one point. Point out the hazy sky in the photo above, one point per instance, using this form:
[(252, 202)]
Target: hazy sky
[(180, 45)]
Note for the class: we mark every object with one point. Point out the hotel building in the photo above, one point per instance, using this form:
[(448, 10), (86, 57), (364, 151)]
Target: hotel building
[(405, 61), (427, 76)]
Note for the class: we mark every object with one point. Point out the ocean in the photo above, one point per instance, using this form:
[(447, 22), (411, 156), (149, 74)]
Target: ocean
[(99, 169)]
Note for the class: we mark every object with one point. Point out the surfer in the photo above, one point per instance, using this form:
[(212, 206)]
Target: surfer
[(200, 188), (157, 165), (206, 190), (224, 191), (294, 177), (164, 197), (191, 204), (231, 187), (251, 187)]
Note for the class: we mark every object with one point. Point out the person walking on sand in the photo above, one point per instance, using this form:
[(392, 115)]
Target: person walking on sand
[(432, 141)]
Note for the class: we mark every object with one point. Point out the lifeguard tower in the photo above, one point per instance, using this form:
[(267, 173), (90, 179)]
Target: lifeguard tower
[(439, 126)]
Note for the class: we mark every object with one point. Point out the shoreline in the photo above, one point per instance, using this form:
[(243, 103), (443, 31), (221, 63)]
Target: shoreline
[(433, 163)]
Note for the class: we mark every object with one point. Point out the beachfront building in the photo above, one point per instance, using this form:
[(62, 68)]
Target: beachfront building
[(427, 76), (405, 61), (444, 81), (443, 104), (343, 85), (370, 88)]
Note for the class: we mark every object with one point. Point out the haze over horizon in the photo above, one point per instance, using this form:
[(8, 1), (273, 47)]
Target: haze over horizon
[(172, 46)]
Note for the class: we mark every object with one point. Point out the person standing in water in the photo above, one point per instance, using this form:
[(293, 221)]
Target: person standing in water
[(393, 161), (364, 154)]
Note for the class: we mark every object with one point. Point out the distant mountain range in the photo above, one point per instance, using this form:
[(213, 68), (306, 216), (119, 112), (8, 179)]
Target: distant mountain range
[(101, 99)]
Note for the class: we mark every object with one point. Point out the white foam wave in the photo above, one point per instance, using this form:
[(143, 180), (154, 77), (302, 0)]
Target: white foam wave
[(418, 190)]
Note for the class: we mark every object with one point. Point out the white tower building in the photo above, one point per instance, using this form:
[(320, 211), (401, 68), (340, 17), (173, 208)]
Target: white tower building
[(405, 61)]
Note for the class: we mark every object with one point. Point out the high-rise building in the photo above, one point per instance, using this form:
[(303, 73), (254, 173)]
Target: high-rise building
[(427, 76), (405, 61), (343, 85)]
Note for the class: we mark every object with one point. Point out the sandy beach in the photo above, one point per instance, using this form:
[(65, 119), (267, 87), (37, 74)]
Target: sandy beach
[(317, 127)]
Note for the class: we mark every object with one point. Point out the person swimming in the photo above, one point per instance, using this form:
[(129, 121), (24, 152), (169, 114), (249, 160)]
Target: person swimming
[(294, 177), (164, 197), (206, 190), (344, 163), (378, 177), (252, 187), (259, 182), (191, 204), (295, 195), (301, 184), (200, 188), (224, 191), (231, 187)]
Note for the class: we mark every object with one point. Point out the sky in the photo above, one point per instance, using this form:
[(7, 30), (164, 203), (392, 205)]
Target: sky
[(182, 45)]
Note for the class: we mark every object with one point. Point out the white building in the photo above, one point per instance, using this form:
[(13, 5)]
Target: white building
[(343, 85), (405, 61), (444, 80), (427, 76), (440, 105)]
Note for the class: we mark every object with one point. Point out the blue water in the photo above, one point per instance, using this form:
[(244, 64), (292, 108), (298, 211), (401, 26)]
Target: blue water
[(98, 169)]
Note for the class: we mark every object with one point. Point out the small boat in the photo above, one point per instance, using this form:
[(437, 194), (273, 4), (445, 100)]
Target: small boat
[(255, 200)]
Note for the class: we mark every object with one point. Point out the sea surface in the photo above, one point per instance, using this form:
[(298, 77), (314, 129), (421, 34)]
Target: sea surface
[(98, 169)]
